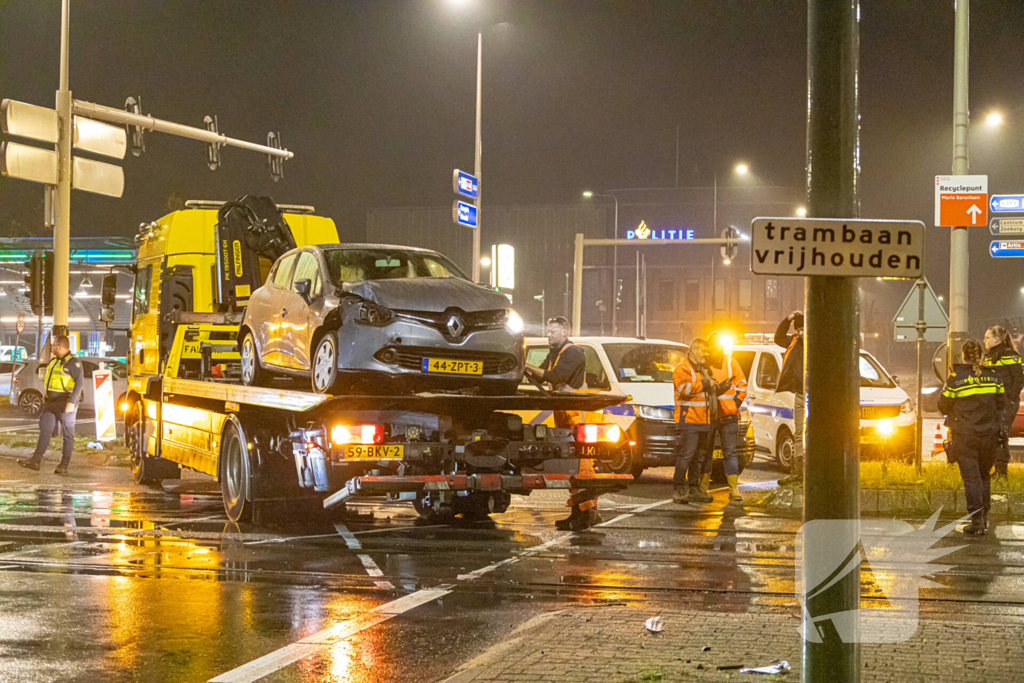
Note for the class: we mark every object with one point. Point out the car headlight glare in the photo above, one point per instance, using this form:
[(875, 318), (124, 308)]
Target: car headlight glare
[(885, 427), (514, 322), (907, 406), (655, 413)]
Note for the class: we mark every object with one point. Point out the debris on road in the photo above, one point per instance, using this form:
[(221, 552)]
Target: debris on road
[(654, 625), (95, 445), (780, 668)]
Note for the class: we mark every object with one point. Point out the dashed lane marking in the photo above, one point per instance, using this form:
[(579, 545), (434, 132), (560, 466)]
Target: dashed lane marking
[(371, 567)]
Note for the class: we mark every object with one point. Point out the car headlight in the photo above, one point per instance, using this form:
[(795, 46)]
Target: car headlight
[(885, 427), (374, 314), (907, 406), (655, 413), (513, 322)]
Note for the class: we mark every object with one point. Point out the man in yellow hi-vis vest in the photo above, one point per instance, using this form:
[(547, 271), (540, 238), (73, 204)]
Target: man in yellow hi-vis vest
[(63, 385)]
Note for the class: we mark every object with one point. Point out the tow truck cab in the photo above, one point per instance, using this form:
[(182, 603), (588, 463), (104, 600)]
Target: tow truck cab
[(642, 370)]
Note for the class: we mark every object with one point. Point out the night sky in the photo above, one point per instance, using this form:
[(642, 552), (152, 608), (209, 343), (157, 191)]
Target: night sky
[(376, 99)]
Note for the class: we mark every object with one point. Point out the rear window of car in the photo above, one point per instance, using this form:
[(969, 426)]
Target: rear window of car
[(358, 265), (644, 362)]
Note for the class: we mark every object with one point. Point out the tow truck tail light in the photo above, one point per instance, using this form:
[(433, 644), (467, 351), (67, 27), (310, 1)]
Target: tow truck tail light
[(361, 434), (595, 433)]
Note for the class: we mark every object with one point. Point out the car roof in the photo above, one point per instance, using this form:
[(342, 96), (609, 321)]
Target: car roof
[(367, 245)]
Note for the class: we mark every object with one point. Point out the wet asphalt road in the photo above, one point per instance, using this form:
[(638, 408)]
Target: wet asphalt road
[(101, 579)]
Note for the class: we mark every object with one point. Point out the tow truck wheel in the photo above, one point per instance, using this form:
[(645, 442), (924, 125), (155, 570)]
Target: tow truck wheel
[(135, 444), (785, 449), (235, 476), (324, 371), (253, 374)]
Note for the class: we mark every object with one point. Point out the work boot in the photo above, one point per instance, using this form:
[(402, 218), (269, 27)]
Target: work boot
[(585, 520), (61, 468), (566, 524), (30, 463), (700, 493), (976, 527), (681, 495), (734, 488)]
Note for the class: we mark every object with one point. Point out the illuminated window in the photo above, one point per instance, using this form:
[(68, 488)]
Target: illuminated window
[(771, 294)]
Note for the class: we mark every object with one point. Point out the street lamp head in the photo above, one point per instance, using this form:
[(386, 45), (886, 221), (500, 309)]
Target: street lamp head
[(742, 169), (801, 211), (727, 261), (994, 119), (485, 262), (588, 193)]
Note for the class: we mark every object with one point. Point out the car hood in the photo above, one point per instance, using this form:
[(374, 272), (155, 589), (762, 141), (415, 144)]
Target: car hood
[(430, 294)]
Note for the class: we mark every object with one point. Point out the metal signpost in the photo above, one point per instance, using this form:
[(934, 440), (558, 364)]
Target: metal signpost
[(77, 125), (468, 186), (931, 325)]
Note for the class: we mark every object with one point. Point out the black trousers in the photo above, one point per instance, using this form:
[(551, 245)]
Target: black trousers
[(975, 456), (1004, 450), (52, 415)]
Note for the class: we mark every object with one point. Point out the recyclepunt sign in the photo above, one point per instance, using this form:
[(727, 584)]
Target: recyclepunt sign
[(837, 247)]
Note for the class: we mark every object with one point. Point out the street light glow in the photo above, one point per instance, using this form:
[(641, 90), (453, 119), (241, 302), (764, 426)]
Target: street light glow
[(485, 262), (727, 261), (801, 211), (588, 193), (994, 119), (742, 169)]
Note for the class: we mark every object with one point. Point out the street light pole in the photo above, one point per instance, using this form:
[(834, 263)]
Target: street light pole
[(62, 226), (478, 153), (714, 233), (958, 244)]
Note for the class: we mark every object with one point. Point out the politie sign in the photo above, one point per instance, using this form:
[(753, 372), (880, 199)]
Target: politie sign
[(837, 247), (642, 232)]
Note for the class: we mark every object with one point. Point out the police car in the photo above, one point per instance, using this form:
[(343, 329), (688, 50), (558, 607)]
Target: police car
[(887, 416), (642, 370)]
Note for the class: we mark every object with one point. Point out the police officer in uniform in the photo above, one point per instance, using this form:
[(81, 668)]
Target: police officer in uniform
[(63, 385), (974, 403), (565, 370), (791, 378), (1002, 357)]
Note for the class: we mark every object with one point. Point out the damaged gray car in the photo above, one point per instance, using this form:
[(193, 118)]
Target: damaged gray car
[(362, 318)]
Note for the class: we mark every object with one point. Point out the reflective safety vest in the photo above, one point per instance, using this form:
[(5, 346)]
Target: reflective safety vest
[(691, 401), (58, 380), (567, 419), (730, 401)]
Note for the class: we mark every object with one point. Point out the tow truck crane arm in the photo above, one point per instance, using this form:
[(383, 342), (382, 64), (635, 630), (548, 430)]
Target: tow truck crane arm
[(248, 229)]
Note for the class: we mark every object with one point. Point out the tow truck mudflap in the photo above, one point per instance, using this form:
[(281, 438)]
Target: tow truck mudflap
[(605, 483)]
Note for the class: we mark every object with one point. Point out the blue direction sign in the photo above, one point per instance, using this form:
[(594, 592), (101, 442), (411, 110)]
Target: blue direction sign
[(1006, 249), (1006, 226), (465, 184), (464, 214), (1006, 203)]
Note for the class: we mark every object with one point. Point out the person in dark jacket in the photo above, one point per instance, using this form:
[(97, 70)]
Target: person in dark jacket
[(791, 378), (565, 369), (1006, 362), (974, 403)]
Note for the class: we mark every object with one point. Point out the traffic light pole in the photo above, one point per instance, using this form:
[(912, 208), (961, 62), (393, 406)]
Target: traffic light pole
[(62, 226), (831, 354)]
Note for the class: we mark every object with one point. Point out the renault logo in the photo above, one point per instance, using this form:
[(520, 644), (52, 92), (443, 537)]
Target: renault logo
[(455, 326)]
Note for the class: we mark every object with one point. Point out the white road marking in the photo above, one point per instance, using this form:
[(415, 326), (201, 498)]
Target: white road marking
[(268, 664), (371, 567)]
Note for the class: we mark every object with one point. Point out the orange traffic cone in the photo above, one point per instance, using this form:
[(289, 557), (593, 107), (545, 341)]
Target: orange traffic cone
[(937, 446)]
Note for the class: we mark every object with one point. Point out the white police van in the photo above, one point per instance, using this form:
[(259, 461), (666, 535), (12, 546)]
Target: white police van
[(642, 370), (887, 417)]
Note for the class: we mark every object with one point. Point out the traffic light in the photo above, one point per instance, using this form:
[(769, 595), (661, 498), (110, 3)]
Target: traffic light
[(34, 282), (47, 275)]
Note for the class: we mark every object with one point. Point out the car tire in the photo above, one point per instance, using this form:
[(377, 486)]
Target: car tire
[(235, 474), (323, 368), (145, 468), (785, 449), (253, 374), (30, 402)]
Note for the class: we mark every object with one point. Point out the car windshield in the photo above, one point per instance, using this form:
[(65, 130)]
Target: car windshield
[(872, 375), (644, 362), (357, 265)]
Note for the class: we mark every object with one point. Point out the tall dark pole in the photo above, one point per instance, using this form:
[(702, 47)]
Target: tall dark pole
[(832, 427)]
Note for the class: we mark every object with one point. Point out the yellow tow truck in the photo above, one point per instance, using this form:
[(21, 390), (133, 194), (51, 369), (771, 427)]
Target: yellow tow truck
[(187, 407)]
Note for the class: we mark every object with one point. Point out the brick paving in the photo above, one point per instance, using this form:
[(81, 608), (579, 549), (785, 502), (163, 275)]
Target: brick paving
[(609, 644)]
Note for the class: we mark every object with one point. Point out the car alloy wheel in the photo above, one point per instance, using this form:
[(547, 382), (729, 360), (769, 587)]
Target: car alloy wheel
[(30, 402), (325, 365), (248, 360)]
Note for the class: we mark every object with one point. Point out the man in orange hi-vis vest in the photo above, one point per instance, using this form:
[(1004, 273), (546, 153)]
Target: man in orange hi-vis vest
[(732, 392), (565, 370), (696, 405)]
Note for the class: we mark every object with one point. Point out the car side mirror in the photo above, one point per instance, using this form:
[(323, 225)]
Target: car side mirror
[(108, 293), (303, 287), (896, 379), (107, 314)]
